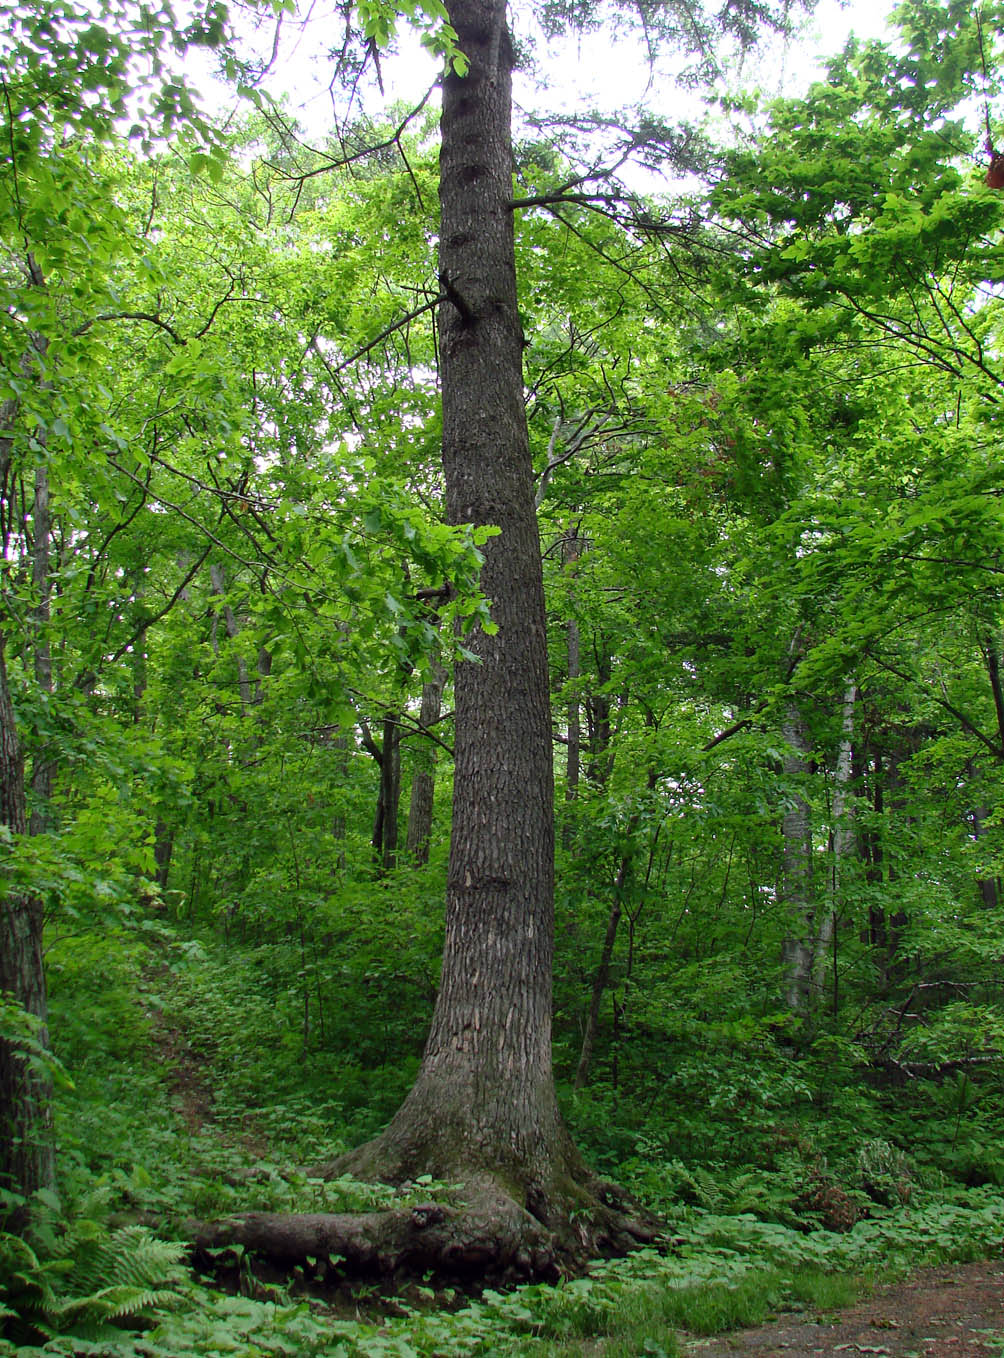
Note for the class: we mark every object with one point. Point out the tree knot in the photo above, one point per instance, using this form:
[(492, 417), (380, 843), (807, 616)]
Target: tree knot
[(428, 1214)]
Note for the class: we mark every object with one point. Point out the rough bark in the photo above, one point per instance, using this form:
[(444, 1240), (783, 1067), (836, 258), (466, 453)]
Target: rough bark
[(26, 1147), (27, 1152), (430, 1236), (484, 1096), (483, 1111)]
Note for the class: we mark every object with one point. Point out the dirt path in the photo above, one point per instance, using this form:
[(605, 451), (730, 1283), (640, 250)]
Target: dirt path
[(947, 1312)]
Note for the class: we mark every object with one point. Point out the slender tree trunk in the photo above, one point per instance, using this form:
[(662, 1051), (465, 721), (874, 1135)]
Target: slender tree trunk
[(41, 770), (896, 805), (574, 722), (26, 1148), (423, 782), (873, 853), (572, 549), (991, 655), (797, 876), (598, 726), (602, 978), (841, 842), (27, 1152), (990, 887), (388, 760), (390, 790)]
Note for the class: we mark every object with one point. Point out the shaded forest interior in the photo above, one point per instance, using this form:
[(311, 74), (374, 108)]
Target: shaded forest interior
[(281, 431)]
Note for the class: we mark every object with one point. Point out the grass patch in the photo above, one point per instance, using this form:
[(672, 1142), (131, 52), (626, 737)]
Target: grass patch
[(645, 1320), (828, 1291)]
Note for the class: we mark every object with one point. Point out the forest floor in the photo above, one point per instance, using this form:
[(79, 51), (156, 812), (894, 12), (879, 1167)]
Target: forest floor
[(948, 1311), (954, 1311)]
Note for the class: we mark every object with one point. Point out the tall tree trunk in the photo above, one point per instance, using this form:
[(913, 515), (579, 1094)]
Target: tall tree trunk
[(27, 1152), (423, 781), (873, 853), (26, 1148), (990, 887), (483, 1106), (602, 977), (484, 1097), (574, 758), (897, 802)]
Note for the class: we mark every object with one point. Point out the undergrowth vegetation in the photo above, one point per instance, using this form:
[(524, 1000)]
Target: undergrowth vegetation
[(183, 1104)]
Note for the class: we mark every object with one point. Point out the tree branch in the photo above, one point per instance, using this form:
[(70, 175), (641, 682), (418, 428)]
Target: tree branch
[(384, 334), (150, 317)]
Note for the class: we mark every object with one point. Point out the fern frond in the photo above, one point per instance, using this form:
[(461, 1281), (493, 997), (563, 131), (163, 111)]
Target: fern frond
[(95, 1278), (25, 1281), (113, 1303), (131, 1256)]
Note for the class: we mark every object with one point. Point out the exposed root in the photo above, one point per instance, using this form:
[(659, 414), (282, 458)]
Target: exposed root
[(486, 1235), (471, 1241)]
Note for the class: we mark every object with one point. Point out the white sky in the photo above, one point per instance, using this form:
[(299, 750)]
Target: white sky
[(589, 73)]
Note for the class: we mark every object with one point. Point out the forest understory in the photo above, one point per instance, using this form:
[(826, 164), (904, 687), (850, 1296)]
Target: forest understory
[(188, 1117), (501, 688)]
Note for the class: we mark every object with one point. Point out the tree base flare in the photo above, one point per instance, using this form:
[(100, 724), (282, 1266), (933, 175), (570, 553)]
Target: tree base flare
[(485, 1234)]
